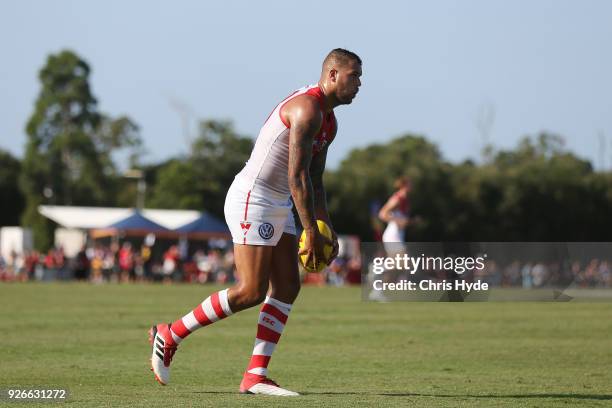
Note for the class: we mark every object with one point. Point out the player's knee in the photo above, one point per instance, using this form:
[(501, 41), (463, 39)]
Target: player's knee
[(249, 296), (256, 297)]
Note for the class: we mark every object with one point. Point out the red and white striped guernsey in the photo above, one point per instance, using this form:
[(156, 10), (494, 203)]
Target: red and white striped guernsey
[(269, 162)]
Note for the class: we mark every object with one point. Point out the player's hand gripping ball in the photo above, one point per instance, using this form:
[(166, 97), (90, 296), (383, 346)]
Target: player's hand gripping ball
[(327, 250)]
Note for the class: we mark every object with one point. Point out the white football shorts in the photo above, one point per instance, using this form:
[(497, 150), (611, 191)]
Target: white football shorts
[(257, 215)]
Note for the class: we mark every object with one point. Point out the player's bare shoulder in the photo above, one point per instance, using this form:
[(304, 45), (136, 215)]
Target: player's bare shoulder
[(304, 110)]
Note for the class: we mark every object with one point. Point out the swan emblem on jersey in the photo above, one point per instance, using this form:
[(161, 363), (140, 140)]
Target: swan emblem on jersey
[(245, 225), (266, 230)]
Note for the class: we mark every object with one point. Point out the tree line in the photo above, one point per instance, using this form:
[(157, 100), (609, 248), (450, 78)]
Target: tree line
[(537, 191)]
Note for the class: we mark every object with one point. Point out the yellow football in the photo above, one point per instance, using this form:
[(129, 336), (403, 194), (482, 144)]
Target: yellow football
[(326, 232)]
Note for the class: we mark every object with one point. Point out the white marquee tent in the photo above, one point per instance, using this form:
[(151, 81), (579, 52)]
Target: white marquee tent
[(75, 222), (102, 217)]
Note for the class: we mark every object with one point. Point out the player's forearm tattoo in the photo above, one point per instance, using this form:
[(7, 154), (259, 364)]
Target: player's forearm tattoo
[(317, 168), (300, 153)]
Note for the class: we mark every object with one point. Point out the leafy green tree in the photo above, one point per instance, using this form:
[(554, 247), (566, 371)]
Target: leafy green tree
[(201, 180), (368, 174), (174, 186), (68, 157), (546, 193), (537, 191), (12, 203)]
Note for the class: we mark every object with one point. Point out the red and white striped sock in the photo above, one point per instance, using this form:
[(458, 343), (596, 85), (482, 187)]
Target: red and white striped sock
[(272, 319), (214, 308)]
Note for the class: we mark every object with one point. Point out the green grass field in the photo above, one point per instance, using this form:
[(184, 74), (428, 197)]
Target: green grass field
[(336, 350)]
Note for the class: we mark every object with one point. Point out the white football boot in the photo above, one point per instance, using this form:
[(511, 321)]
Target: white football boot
[(260, 384), (164, 348)]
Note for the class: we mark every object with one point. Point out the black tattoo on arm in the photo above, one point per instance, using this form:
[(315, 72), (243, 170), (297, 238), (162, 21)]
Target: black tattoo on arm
[(317, 167), (303, 130)]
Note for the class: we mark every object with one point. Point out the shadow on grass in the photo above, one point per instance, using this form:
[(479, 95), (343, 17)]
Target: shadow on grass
[(602, 397)]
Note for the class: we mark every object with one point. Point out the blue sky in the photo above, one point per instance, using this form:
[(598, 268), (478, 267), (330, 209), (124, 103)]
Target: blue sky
[(430, 68)]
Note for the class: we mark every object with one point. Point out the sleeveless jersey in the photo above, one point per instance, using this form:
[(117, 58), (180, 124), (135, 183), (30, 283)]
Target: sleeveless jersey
[(268, 165), (393, 232)]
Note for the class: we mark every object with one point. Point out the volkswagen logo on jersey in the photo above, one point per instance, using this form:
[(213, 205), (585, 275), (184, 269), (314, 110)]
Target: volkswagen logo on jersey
[(266, 230)]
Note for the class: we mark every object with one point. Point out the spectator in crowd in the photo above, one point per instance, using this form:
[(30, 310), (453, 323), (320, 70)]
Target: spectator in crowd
[(171, 264), (538, 274), (106, 263), (526, 275), (3, 269), (32, 259), (147, 258), (81, 265), (126, 262), (605, 274), (60, 264), (97, 265), (512, 275), (50, 266)]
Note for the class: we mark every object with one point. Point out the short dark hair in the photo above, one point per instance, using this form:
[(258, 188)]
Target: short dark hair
[(342, 56)]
